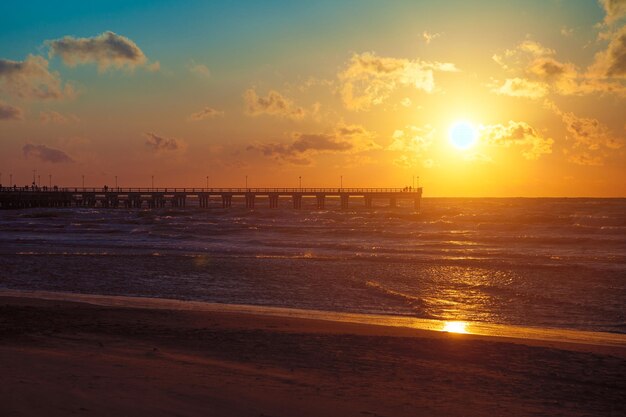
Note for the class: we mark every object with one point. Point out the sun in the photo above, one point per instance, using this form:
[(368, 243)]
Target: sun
[(463, 135)]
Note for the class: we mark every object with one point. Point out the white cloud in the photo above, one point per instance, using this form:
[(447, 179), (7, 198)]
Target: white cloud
[(429, 37), (369, 79), (199, 69), (520, 87)]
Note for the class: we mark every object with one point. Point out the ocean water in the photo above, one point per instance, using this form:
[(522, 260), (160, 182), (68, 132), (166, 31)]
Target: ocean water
[(534, 262)]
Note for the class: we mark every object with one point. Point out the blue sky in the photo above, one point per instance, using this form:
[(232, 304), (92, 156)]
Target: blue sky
[(415, 67)]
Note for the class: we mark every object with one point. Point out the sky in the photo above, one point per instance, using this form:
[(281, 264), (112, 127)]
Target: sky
[(482, 98)]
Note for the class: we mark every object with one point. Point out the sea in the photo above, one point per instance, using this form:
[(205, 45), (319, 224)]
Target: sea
[(538, 262)]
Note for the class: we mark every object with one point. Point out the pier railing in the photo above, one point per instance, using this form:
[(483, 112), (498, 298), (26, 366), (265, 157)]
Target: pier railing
[(34, 196), (122, 190)]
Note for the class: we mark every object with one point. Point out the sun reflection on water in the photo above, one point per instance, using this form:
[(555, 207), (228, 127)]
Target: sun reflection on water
[(455, 327)]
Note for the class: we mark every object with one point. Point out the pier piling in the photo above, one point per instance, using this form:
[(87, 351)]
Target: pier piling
[(28, 197)]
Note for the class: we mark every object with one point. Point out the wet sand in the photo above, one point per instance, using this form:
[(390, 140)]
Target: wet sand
[(61, 358)]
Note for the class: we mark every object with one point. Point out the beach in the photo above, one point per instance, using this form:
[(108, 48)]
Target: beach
[(62, 357)]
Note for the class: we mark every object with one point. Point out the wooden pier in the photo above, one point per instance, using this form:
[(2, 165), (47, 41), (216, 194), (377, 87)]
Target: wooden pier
[(27, 197)]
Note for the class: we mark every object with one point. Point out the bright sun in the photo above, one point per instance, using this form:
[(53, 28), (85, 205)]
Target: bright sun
[(463, 134)]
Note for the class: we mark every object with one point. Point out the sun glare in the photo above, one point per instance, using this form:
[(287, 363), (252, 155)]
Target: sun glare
[(455, 327), (463, 135)]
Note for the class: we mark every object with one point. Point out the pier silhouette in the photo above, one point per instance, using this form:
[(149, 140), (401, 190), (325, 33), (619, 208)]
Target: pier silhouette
[(27, 197)]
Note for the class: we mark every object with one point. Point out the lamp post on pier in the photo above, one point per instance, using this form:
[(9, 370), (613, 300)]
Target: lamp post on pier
[(152, 177), (207, 181), (246, 181), (300, 181), (116, 183), (341, 182), (83, 180)]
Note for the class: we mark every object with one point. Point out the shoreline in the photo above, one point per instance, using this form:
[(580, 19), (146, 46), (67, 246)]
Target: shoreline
[(517, 334), (146, 357)]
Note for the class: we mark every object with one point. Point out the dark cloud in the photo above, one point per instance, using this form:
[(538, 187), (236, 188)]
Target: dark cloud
[(548, 67), (159, 143), (46, 154), (344, 139), (274, 104), (304, 144), (31, 79), (8, 112), (206, 113), (106, 50)]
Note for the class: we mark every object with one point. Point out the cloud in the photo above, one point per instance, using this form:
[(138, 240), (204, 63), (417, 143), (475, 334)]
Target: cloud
[(46, 154), (535, 48), (412, 139), (9, 112), (615, 10), (206, 113), (566, 31), (521, 87), (159, 143), (106, 50), (412, 142), (429, 37), (275, 104), (343, 139), (51, 116), (517, 134), (611, 63), (199, 69), (31, 79), (587, 133), (369, 79), (536, 63), (585, 158), (591, 140)]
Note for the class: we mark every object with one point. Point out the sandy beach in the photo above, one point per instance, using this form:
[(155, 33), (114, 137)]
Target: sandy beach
[(63, 358)]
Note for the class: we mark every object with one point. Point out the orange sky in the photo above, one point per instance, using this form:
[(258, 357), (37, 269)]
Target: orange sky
[(278, 91)]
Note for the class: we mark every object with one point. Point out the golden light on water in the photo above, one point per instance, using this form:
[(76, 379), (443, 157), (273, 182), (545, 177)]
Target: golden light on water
[(455, 327)]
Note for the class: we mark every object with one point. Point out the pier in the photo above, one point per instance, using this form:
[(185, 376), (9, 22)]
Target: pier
[(27, 197)]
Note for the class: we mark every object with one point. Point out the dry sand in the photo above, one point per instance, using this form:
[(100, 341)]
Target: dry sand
[(61, 358)]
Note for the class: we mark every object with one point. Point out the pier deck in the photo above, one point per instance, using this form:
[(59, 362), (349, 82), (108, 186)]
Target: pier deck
[(17, 198)]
